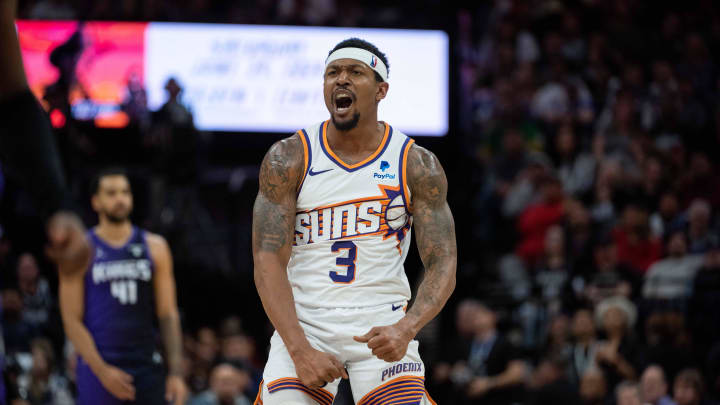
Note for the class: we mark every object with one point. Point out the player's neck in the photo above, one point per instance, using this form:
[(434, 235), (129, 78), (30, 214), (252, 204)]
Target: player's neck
[(114, 233), (366, 136)]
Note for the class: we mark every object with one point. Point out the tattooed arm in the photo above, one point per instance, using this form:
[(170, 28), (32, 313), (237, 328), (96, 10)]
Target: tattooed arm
[(273, 231), (435, 236), (435, 232)]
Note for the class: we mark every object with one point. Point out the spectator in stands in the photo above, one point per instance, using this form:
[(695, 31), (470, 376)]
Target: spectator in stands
[(580, 236), (704, 324), (17, 333), (700, 235), (173, 139), (509, 163), (621, 135), (549, 284), (488, 367), (653, 387), (43, 384), (653, 183), (667, 340), (700, 181), (549, 384), (240, 349), (671, 278), (609, 175), (636, 247), (205, 354), (689, 388), (524, 191), (617, 354), (227, 383), (627, 393), (450, 355), (557, 341), (35, 290), (593, 387), (535, 220), (667, 217), (576, 169), (608, 277), (585, 345)]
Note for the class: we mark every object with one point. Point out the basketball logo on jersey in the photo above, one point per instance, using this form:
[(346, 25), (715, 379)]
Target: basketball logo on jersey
[(136, 249), (383, 215)]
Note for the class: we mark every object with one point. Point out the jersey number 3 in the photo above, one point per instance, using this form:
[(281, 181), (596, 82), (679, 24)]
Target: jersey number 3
[(344, 261)]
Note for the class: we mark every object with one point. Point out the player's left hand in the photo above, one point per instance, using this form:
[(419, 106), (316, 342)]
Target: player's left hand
[(68, 246), (387, 343), (175, 390)]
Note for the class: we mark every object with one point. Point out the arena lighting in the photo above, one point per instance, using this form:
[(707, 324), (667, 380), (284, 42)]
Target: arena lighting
[(236, 78)]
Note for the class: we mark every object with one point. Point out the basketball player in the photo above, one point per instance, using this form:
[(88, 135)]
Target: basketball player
[(109, 308), (331, 230)]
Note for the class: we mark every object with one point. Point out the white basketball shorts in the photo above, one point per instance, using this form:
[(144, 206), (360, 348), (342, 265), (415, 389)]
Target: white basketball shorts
[(373, 381)]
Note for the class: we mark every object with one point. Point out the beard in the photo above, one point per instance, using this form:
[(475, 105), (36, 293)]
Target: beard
[(117, 218), (348, 125)]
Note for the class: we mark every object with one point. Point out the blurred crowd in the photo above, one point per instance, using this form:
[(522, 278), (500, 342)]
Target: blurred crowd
[(347, 13), (585, 189), (592, 128)]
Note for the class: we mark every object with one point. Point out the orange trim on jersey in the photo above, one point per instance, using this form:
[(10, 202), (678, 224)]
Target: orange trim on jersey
[(258, 398), (401, 382), (320, 395), (405, 186), (427, 395), (306, 158), (364, 161), (322, 391)]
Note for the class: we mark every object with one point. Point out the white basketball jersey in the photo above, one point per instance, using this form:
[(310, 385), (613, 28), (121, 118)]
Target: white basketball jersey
[(352, 226)]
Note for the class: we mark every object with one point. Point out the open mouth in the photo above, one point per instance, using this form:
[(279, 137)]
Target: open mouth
[(343, 102)]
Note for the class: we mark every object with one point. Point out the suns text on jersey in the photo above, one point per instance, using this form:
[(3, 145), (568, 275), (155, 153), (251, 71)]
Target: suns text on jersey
[(341, 221)]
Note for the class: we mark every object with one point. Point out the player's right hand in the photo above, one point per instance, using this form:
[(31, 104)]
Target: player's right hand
[(118, 382), (315, 368)]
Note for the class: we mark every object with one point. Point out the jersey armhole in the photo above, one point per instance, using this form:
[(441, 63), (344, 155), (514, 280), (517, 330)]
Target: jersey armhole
[(404, 187), (142, 235), (307, 157), (93, 252)]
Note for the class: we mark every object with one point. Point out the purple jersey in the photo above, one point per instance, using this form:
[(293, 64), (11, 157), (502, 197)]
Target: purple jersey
[(120, 298)]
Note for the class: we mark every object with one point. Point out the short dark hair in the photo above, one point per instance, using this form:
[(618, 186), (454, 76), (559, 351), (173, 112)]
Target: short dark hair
[(363, 44), (108, 171), (693, 378)]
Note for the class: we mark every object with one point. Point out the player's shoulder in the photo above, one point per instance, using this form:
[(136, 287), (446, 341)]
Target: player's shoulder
[(155, 241), (283, 166), (287, 152), (422, 161), (426, 177)]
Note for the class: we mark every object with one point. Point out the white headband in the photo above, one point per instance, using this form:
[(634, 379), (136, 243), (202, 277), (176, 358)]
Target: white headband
[(363, 56)]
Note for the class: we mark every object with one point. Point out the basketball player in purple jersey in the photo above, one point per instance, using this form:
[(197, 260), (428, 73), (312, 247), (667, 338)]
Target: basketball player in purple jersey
[(111, 307)]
